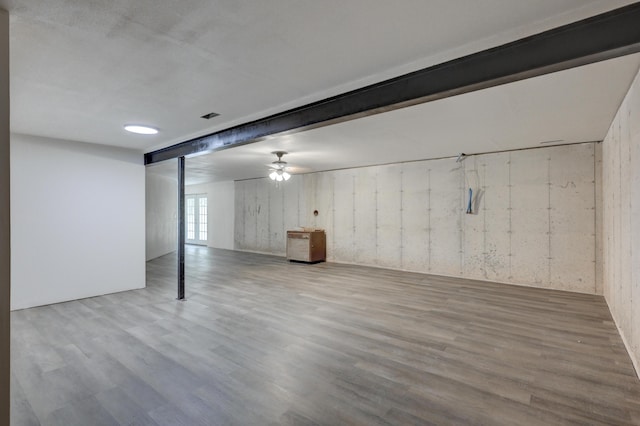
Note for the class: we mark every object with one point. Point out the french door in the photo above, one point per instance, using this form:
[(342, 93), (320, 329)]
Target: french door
[(196, 219)]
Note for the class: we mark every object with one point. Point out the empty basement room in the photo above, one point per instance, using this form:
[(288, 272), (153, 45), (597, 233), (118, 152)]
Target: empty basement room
[(320, 213)]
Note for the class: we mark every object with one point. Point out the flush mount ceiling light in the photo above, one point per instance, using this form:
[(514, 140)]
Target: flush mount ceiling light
[(140, 129), (278, 168)]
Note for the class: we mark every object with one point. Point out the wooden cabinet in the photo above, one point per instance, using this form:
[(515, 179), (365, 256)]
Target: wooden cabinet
[(306, 246)]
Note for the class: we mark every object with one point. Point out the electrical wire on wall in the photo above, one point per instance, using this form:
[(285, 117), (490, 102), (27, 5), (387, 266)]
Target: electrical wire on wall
[(472, 180)]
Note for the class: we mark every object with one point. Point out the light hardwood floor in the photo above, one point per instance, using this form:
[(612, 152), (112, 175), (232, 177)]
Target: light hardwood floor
[(261, 341)]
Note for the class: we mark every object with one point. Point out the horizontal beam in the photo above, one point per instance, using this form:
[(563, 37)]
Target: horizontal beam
[(609, 35)]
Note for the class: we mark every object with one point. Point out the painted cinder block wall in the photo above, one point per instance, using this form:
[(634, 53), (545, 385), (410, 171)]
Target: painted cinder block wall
[(621, 220), (534, 220)]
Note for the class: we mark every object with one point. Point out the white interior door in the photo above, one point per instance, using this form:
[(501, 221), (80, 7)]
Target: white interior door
[(196, 219)]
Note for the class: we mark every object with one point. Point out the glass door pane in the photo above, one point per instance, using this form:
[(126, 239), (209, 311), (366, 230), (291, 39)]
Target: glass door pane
[(196, 219)]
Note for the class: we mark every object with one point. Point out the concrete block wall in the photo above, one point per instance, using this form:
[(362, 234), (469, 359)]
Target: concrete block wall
[(533, 220), (621, 220)]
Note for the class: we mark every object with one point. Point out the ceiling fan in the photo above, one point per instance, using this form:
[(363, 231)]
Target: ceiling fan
[(279, 168)]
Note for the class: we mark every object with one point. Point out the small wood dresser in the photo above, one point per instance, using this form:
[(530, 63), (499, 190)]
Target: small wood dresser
[(306, 246)]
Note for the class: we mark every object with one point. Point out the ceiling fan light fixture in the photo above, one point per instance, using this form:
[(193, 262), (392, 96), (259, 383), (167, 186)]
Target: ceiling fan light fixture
[(278, 168), (279, 175)]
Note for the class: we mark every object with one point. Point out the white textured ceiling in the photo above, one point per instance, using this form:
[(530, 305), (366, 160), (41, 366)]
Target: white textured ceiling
[(80, 69)]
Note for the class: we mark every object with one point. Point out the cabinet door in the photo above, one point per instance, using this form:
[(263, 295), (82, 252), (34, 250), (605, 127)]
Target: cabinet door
[(298, 247), (317, 249)]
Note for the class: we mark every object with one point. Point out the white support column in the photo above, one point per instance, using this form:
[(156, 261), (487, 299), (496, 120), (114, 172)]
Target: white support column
[(5, 226)]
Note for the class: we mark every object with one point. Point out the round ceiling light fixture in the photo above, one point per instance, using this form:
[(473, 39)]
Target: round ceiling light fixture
[(140, 129)]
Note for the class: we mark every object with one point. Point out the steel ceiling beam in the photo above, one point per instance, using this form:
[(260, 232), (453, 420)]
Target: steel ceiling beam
[(601, 37)]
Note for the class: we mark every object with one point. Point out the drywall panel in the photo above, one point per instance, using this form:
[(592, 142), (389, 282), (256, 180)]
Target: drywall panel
[(415, 216), (161, 195), (221, 214), (365, 204), (389, 228), (5, 223), (78, 212), (621, 220), (530, 212), (344, 215), (446, 201)]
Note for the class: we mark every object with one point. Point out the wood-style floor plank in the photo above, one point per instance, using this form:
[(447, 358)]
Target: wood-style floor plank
[(261, 341)]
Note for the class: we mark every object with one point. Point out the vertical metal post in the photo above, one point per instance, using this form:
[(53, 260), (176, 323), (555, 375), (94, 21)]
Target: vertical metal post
[(181, 228)]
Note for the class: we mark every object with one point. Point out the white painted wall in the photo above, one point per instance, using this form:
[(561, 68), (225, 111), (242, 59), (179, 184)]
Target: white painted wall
[(621, 220), (534, 220), (220, 199), (5, 223), (161, 215), (77, 220)]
